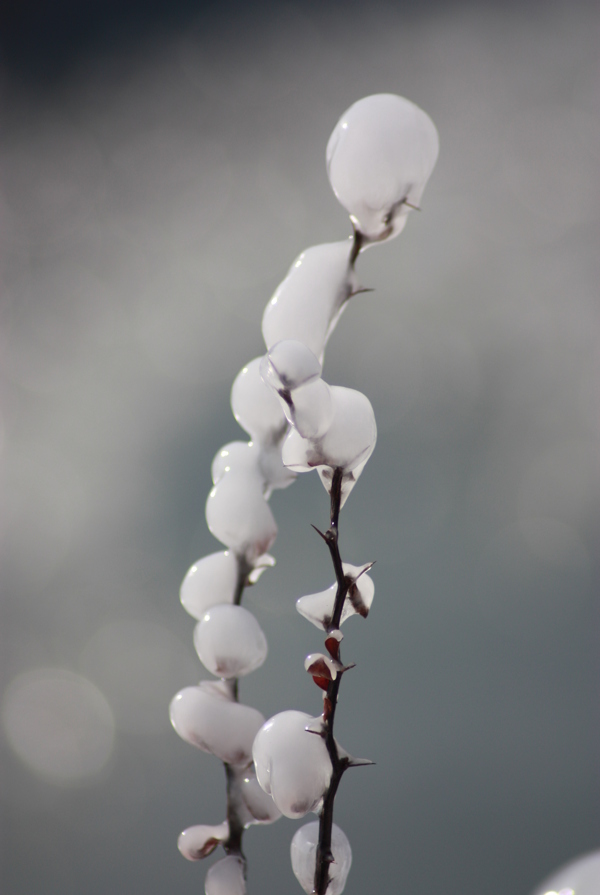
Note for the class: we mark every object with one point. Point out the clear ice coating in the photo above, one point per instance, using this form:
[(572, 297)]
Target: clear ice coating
[(201, 840), (229, 641), (211, 580), (292, 765), (307, 304), (379, 159), (256, 406), (318, 608), (289, 364), (260, 805), (348, 442), (303, 853), (580, 877), (226, 877), (207, 718), (239, 516)]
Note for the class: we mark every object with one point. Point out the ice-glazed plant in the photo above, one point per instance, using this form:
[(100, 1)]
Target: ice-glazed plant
[(379, 158)]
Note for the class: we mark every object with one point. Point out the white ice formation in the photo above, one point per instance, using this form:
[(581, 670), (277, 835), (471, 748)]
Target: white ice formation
[(230, 642), (226, 877), (201, 840), (318, 608), (303, 853)]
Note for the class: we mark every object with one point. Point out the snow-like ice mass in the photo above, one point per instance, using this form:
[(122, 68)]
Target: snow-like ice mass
[(229, 641), (303, 853), (379, 159), (292, 765)]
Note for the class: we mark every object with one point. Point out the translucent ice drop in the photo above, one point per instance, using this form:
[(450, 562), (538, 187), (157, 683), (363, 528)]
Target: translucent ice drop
[(230, 642), (256, 406), (239, 516), (292, 765), (226, 877), (379, 159), (211, 580), (260, 805), (201, 840), (303, 854)]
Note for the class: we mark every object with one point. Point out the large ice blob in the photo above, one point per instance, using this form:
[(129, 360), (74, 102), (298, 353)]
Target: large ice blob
[(307, 304), (292, 765), (303, 853), (226, 877), (239, 516), (229, 641), (201, 840), (205, 717), (211, 580), (255, 405), (580, 877), (260, 805), (379, 159)]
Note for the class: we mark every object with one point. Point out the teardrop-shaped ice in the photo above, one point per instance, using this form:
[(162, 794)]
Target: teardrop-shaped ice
[(201, 840), (304, 851), (579, 877), (216, 725), (256, 406), (307, 304), (292, 765), (230, 642), (239, 516), (289, 364), (264, 562), (318, 608), (379, 159), (242, 456), (226, 877), (348, 441), (311, 411), (260, 805), (211, 580)]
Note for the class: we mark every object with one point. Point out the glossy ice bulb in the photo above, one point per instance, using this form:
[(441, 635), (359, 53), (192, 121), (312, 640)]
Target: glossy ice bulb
[(255, 405), (303, 854), (230, 642), (311, 410), (289, 364), (580, 877), (318, 608), (348, 441), (292, 765), (379, 159), (307, 304), (216, 724), (226, 877), (238, 515), (200, 841), (260, 805), (241, 456), (211, 580)]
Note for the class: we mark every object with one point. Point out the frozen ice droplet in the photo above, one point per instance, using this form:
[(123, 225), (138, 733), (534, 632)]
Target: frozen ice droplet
[(308, 303), (201, 840), (242, 456), (211, 580), (304, 851), (289, 364), (260, 805), (318, 608), (226, 877), (379, 159), (311, 411), (256, 406), (216, 724), (239, 516), (579, 877), (230, 642), (292, 765)]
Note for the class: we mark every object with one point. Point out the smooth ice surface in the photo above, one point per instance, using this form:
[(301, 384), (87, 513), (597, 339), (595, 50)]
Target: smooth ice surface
[(216, 724), (201, 840), (241, 456), (580, 877), (348, 441), (211, 580), (291, 764), (255, 405), (289, 364), (238, 515), (274, 474), (303, 853), (230, 642), (318, 608), (380, 156), (311, 412), (260, 805), (307, 304), (226, 877)]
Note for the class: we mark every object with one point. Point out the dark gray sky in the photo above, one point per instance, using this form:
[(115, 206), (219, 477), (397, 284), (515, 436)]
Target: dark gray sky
[(161, 169)]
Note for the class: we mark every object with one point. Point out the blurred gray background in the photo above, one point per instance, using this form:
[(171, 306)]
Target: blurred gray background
[(161, 169)]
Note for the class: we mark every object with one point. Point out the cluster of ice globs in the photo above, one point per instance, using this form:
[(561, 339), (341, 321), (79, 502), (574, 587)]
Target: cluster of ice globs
[(379, 158)]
